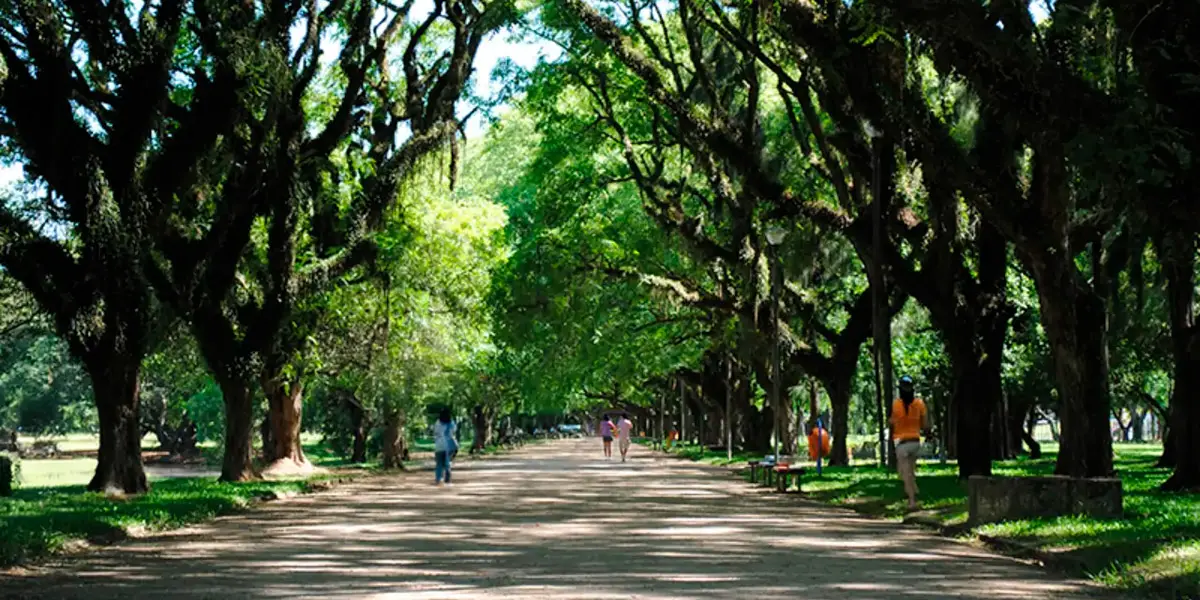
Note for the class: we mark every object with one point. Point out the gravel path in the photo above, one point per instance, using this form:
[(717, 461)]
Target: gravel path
[(548, 521)]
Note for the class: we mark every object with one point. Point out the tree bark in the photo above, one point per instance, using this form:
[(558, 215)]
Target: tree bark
[(482, 417), (1002, 449), (284, 414), (1074, 316), (237, 464), (789, 425), (358, 420), (839, 398), (973, 403), (1138, 426), (1018, 416), (1076, 326), (1178, 258), (268, 445), (119, 462), (1169, 453), (754, 425), (1035, 449), (394, 443)]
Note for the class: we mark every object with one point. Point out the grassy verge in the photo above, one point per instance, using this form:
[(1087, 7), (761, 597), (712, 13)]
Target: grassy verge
[(50, 510), (38, 522), (1154, 550)]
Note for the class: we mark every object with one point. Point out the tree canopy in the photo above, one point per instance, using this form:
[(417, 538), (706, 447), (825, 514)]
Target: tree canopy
[(238, 221)]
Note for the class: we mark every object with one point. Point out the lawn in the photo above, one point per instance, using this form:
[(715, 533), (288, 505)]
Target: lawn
[(50, 509), (75, 468), (37, 522), (1155, 549)]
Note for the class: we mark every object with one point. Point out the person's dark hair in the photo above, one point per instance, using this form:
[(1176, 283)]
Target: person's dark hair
[(906, 392), (444, 415), (607, 418)]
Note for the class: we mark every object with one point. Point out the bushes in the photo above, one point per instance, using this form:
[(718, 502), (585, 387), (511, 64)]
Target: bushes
[(10, 469)]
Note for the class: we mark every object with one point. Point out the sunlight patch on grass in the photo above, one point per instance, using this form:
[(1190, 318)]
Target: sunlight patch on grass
[(1173, 571)]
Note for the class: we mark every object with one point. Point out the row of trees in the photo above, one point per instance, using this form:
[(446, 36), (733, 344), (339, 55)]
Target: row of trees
[(1019, 183), (224, 166), (245, 200)]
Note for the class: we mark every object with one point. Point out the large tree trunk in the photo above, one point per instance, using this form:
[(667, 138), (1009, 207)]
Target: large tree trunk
[(284, 412), (839, 398), (394, 443), (977, 352), (1179, 262), (839, 386), (1138, 426), (1018, 415), (1002, 448), (239, 430), (482, 417), (978, 390), (1074, 316), (754, 425), (1076, 326), (1170, 445), (789, 426), (358, 421), (973, 403), (119, 462), (268, 445), (1035, 449)]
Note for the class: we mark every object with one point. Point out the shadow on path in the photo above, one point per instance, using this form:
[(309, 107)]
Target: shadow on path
[(548, 521)]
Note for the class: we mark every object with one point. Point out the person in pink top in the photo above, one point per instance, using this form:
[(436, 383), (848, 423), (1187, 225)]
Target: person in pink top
[(606, 434), (624, 435)]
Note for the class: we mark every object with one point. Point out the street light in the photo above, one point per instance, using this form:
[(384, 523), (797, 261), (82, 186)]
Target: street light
[(775, 236)]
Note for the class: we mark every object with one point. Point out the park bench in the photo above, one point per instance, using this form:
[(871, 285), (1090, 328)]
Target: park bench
[(775, 474), (783, 475), (761, 465)]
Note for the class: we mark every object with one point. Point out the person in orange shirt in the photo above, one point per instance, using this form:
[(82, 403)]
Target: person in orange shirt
[(909, 418)]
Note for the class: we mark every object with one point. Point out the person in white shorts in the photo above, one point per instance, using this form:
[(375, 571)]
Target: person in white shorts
[(624, 435)]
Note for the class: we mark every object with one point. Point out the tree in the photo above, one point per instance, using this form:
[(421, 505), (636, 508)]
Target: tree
[(91, 106), (295, 197)]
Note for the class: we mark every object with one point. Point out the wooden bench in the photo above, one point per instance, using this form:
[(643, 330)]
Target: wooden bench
[(754, 465), (784, 473)]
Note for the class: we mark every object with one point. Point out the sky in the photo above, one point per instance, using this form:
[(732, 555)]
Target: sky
[(500, 45)]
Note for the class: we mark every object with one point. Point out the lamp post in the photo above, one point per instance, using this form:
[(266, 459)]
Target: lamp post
[(775, 236)]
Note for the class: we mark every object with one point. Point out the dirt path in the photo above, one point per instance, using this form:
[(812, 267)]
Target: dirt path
[(549, 521)]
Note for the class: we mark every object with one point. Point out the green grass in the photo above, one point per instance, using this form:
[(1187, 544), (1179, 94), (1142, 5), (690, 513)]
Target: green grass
[(1154, 550), (38, 522), (50, 509), (80, 442), (51, 472), (704, 455)]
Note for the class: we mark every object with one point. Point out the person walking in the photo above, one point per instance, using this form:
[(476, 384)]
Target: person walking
[(909, 418), (606, 434), (624, 435), (445, 446)]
